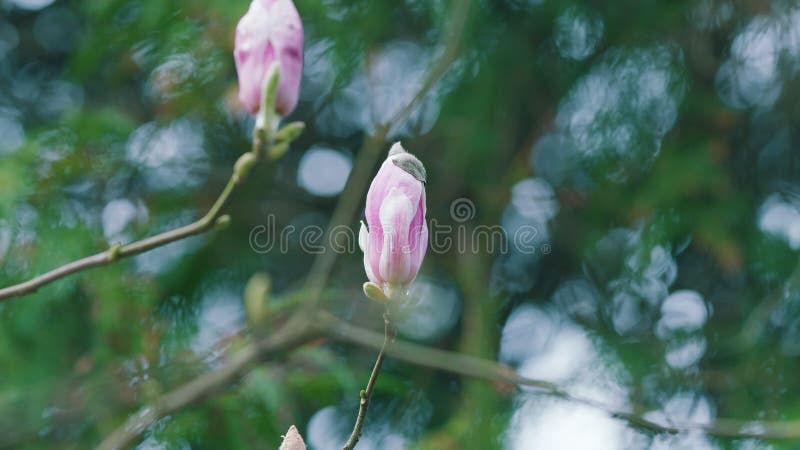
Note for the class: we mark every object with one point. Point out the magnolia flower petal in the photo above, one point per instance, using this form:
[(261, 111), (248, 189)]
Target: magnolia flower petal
[(422, 248), (270, 32), (397, 238), (388, 177), (288, 39), (252, 54), (419, 240), (363, 237), (370, 273), (363, 242), (396, 214)]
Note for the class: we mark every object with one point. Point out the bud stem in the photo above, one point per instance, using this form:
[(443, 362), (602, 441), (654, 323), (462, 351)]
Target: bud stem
[(394, 292), (389, 333)]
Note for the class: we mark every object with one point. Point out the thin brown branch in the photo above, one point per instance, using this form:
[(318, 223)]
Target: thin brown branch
[(294, 333), (366, 394), (448, 48), (117, 252), (489, 370), (303, 328)]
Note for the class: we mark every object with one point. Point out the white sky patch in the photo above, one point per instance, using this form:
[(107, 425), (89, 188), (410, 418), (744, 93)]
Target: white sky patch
[(11, 130), (32, 5), (780, 218), (434, 312), (577, 33), (524, 334), (220, 316), (324, 171), (117, 215), (171, 157), (556, 424), (683, 310), (534, 198)]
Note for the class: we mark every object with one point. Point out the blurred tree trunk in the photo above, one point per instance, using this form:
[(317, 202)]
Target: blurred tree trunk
[(474, 426)]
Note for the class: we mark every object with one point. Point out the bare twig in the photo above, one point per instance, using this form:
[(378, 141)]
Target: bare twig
[(117, 252), (303, 328), (293, 334), (489, 370), (365, 394)]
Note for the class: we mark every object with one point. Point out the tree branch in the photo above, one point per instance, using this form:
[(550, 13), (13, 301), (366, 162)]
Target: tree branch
[(302, 328), (363, 404), (294, 333), (489, 370), (117, 252)]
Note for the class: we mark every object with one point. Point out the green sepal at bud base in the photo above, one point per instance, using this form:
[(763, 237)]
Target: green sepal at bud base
[(374, 292), (256, 296)]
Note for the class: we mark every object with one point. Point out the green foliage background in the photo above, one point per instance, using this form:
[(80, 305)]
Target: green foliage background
[(676, 162)]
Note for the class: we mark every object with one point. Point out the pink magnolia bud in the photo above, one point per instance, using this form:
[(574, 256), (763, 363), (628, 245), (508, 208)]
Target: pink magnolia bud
[(270, 31), (292, 440), (397, 238)]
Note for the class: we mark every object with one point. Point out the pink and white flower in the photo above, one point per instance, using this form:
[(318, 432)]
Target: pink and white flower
[(395, 238), (270, 32)]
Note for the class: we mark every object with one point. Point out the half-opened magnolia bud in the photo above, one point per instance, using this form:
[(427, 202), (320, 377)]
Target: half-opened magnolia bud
[(292, 440), (270, 32), (395, 239)]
